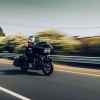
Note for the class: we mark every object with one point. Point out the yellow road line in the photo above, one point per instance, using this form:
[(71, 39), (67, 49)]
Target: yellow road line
[(5, 61), (87, 74), (75, 70)]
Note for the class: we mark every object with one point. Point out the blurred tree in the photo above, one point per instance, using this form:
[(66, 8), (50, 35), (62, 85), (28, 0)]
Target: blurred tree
[(16, 43), (1, 32), (62, 44), (2, 43), (90, 46)]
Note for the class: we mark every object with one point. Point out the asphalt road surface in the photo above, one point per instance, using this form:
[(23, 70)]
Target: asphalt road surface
[(58, 86)]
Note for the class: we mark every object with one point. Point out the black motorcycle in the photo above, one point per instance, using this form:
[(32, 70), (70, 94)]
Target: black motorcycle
[(39, 59)]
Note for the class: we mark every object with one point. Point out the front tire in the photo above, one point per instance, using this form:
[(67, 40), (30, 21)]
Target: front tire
[(48, 69)]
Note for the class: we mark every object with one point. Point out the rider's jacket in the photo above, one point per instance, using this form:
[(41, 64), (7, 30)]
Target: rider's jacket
[(28, 50)]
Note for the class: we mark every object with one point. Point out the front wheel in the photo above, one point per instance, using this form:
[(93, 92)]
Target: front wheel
[(48, 69)]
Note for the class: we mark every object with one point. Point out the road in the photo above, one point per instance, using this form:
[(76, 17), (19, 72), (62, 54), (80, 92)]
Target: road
[(59, 86)]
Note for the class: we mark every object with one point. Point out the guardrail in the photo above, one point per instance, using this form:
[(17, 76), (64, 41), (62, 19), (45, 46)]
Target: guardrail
[(77, 59), (9, 55)]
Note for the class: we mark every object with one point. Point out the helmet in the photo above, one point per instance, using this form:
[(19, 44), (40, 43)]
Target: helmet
[(31, 39)]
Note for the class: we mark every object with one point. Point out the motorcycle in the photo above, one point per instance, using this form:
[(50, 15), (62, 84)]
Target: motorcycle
[(40, 59)]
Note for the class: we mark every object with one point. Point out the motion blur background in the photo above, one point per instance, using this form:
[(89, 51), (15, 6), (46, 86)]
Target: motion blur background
[(71, 26)]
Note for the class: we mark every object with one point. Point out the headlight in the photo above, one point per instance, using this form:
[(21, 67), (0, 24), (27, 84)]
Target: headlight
[(47, 50)]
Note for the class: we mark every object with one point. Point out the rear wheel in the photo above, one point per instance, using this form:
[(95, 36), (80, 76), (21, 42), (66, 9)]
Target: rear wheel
[(24, 67), (47, 69)]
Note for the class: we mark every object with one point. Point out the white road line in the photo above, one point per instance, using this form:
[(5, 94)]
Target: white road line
[(13, 94)]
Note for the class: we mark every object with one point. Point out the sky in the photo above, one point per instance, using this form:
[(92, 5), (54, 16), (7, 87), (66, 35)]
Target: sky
[(73, 17)]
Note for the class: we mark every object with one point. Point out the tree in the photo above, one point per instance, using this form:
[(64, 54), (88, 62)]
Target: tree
[(16, 43), (90, 46), (62, 44), (2, 43), (1, 32)]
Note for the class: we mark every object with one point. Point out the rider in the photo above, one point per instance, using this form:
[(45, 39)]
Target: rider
[(30, 47), (29, 50)]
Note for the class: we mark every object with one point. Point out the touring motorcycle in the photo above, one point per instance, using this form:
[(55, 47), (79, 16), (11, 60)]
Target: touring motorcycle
[(39, 60)]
